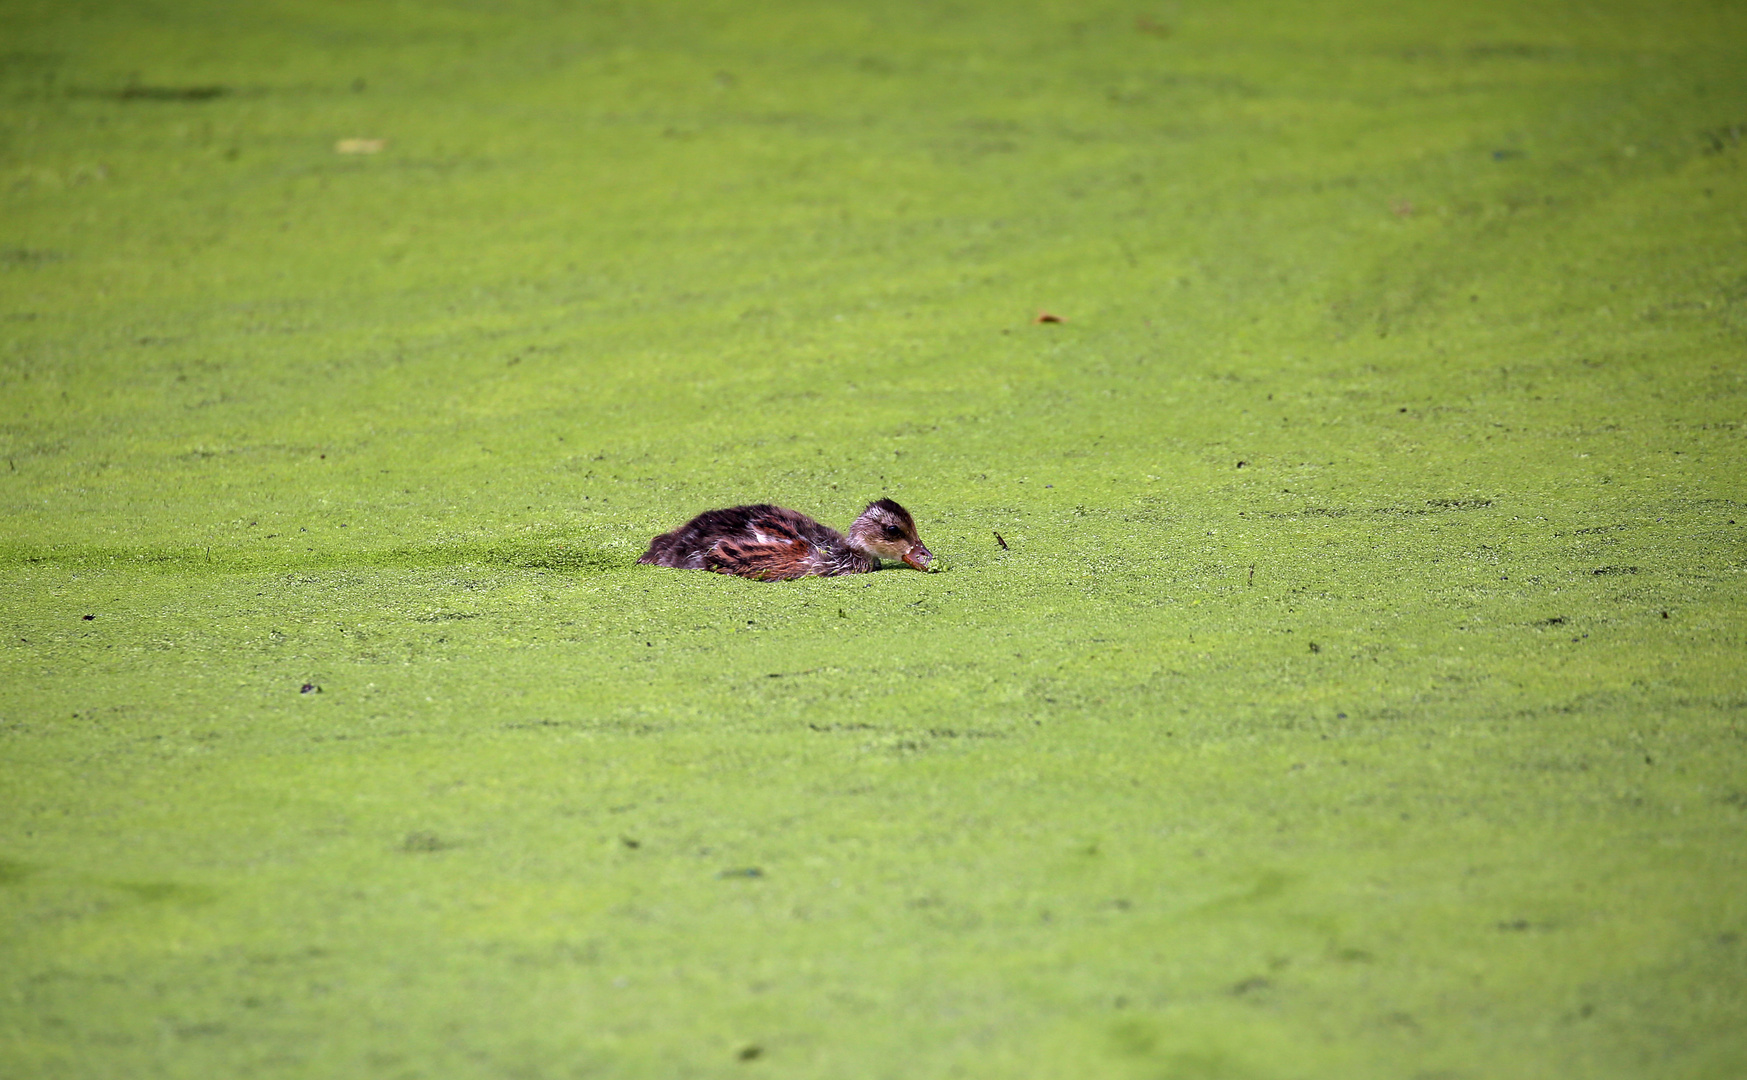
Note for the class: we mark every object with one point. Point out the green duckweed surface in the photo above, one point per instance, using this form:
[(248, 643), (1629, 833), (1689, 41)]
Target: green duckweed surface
[(1359, 691)]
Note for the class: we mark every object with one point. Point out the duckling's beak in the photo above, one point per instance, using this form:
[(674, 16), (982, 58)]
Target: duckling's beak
[(918, 557)]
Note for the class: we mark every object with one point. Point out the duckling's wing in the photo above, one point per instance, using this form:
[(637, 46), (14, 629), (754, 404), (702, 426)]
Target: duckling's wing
[(766, 559)]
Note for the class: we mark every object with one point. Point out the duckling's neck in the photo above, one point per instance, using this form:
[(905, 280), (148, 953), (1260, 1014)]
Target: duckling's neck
[(849, 559)]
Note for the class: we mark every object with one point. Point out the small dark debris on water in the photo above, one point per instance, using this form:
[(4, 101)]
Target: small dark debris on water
[(424, 841), (1514, 925), (1314, 647), (1002, 542), (745, 871), (1250, 984), (1252, 579), (1241, 464), (751, 1053), (89, 618), (309, 688), (630, 843), (1046, 317), (1723, 138), (1557, 620), (1506, 155), (1405, 1020)]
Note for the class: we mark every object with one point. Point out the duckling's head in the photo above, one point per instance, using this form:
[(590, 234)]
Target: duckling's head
[(887, 530)]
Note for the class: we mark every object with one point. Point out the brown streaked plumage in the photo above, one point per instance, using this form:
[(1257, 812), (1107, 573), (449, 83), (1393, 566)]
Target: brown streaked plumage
[(774, 544)]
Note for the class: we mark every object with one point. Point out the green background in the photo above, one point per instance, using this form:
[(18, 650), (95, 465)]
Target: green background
[(1360, 692)]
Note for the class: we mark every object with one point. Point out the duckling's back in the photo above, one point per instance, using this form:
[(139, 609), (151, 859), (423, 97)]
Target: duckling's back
[(761, 541)]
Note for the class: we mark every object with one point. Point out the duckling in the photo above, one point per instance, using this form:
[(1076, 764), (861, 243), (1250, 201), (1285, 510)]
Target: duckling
[(771, 543)]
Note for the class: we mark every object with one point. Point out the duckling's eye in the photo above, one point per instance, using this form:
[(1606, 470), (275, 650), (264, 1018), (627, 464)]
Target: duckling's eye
[(893, 532)]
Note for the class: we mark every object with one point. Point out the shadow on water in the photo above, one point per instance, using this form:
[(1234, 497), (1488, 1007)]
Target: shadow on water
[(166, 892), (553, 555), (14, 872)]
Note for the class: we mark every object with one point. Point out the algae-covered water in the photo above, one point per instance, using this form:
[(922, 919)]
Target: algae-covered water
[(1359, 691)]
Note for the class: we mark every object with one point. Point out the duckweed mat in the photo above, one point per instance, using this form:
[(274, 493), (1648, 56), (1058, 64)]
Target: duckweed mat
[(1336, 665)]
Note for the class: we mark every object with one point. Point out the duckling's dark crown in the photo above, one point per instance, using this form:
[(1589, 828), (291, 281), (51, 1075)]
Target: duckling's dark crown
[(892, 508)]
